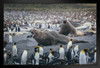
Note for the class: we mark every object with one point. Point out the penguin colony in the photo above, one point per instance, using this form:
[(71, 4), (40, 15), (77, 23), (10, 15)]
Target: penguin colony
[(68, 56)]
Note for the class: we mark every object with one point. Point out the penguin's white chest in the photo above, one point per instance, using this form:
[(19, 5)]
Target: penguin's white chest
[(37, 58), (10, 39), (95, 57), (82, 58), (61, 52), (24, 58), (41, 51), (5, 57), (50, 57), (14, 50), (72, 54), (69, 44), (76, 51)]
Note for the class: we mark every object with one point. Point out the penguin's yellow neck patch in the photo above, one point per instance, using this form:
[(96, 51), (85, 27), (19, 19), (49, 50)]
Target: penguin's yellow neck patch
[(36, 52), (25, 50), (50, 53), (71, 41), (10, 35), (76, 46), (14, 45), (39, 47), (82, 51)]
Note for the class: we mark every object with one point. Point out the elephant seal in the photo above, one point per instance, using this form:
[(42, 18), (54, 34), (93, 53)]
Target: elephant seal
[(67, 28), (51, 38)]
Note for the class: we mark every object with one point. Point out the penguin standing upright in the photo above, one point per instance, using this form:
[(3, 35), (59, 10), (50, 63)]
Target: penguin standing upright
[(24, 57), (18, 28), (33, 60), (69, 53), (69, 44), (76, 49), (41, 50), (5, 56), (91, 55), (87, 56), (9, 59), (10, 38), (95, 56), (82, 57), (72, 54), (61, 52), (14, 50), (36, 57), (7, 29), (50, 56)]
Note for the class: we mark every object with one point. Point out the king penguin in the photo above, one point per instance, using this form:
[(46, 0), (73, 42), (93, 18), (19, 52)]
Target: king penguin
[(5, 56), (10, 38), (24, 57), (72, 54), (82, 57), (14, 50), (50, 56), (36, 57), (33, 61), (76, 49), (95, 53), (61, 52), (41, 51), (69, 53), (69, 44), (87, 56)]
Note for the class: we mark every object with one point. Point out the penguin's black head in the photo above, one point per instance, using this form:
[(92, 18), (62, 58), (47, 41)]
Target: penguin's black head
[(36, 50), (71, 39), (51, 49), (14, 43), (60, 45), (85, 49)]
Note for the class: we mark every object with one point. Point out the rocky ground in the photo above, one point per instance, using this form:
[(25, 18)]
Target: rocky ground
[(22, 43)]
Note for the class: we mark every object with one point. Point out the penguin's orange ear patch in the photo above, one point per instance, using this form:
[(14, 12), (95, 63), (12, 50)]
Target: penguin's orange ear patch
[(85, 48), (35, 47)]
